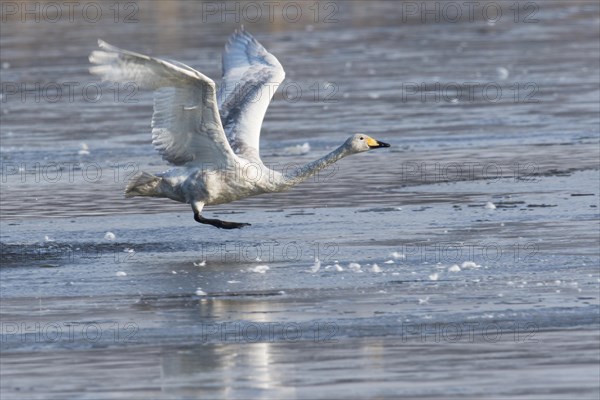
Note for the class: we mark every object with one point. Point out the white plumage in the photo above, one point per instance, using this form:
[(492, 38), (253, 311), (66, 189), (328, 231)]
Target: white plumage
[(212, 138), (251, 75)]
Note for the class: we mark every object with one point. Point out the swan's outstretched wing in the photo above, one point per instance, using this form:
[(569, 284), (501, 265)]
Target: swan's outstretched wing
[(186, 126), (251, 76)]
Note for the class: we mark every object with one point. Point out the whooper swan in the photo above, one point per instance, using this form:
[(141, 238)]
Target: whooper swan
[(212, 138)]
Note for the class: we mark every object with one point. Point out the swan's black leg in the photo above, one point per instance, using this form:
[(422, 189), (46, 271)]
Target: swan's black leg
[(218, 223)]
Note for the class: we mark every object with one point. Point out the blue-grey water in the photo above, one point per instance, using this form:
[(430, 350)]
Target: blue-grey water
[(462, 262)]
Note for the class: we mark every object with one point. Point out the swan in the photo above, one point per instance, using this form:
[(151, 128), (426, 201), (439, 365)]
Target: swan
[(212, 137)]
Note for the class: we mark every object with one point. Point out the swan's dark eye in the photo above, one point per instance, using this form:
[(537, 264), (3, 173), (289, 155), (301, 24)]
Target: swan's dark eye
[(362, 138)]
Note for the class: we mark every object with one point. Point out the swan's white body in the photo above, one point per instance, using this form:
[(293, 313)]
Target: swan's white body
[(212, 137)]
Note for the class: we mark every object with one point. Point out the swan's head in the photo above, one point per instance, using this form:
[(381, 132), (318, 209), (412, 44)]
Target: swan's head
[(361, 142)]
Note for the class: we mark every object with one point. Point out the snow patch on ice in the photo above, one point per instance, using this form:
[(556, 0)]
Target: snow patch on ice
[(260, 269)]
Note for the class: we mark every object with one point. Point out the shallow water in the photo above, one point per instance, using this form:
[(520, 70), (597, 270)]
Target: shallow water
[(173, 309)]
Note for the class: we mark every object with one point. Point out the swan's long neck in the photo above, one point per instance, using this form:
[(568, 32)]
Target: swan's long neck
[(303, 173)]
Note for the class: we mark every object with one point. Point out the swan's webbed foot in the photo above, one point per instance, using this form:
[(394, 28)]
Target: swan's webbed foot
[(218, 223)]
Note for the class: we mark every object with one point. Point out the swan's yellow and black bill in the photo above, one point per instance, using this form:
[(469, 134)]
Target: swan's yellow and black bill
[(374, 144)]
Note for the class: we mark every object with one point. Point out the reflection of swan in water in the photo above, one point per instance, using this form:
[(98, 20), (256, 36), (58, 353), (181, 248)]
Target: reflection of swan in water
[(212, 139)]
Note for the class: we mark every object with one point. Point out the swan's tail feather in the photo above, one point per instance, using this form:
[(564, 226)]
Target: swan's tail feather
[(143, 184)]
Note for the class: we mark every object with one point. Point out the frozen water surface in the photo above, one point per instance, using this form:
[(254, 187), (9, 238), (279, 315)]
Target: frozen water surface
[(460, 263)]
